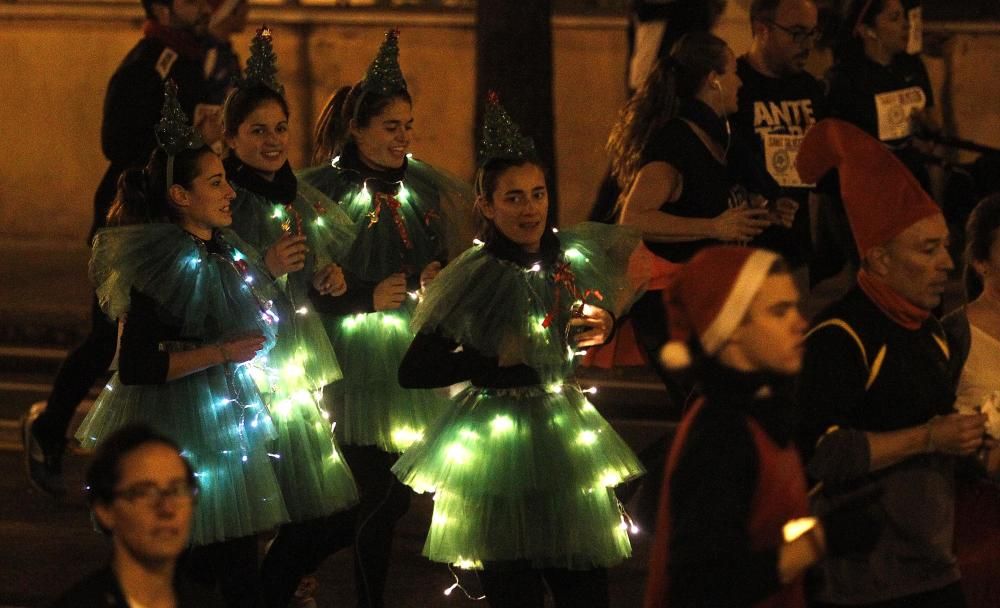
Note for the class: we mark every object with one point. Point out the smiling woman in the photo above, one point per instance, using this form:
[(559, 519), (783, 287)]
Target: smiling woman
[(398, 204), (302, 233)]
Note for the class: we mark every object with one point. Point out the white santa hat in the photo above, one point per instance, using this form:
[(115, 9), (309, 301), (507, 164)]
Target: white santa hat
[(709, 297)]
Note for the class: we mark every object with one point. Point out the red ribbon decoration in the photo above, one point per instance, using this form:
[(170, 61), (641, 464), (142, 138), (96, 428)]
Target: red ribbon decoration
[(564, 277), (393, 204), (287, 224), (319, 208)]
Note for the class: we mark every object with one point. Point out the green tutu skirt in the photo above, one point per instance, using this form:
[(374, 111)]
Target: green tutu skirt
[(523, 474), (368, 404), (220, 422), (314, 477)]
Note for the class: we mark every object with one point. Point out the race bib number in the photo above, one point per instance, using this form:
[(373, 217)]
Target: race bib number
[(894, 110), (780, 151), (165, 61)]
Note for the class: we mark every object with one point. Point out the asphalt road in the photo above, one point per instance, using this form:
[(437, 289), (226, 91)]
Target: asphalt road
[(46, 546)]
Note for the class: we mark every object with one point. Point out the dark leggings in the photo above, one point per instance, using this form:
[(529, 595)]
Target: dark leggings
[(518, 585), (231, 566), (301, 547), (78, 373)]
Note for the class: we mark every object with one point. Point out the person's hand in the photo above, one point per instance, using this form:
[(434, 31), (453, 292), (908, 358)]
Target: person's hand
[(330, 281), (784, 211), (208, 122), (390, 292), (430, 271), (740, 223), (956, 434), (287, 254), (597, 324), (240, 350)]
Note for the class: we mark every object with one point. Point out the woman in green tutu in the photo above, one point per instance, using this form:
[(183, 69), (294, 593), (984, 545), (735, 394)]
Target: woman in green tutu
[(398, 205), (301, 232), (196, 316), (523, 466)]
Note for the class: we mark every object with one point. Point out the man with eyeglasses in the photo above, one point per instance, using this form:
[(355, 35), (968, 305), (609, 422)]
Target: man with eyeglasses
[(142, 495), (778, 102)]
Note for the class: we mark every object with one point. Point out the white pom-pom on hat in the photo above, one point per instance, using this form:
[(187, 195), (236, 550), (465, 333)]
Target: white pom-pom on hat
[(675, 355)]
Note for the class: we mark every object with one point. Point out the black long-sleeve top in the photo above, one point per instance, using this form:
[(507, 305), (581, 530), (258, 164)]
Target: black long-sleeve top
[(434, 360), (142, 359), (862, 373)]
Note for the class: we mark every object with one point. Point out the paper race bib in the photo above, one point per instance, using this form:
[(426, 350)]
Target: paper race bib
[(780, 151), (894, 110)]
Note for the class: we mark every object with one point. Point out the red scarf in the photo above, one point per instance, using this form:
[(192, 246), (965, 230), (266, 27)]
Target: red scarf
[(184, 42), (895, 306)]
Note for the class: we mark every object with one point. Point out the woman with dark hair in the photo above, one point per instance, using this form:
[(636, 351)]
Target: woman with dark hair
[(875, 84), (669, 148), (400, 207), (301, 232), (523, 467), (977, 503), (142, 495), (668, 152), (194, 306)]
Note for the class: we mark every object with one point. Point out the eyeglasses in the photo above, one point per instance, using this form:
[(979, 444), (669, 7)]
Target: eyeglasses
[(149, 494), (798, 34)]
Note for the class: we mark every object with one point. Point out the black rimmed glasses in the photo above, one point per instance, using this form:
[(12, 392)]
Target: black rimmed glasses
[(148, 494), (799, 35)]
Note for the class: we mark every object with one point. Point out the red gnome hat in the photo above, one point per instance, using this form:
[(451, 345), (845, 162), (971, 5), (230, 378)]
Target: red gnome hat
[(881, 196), (709, 296)]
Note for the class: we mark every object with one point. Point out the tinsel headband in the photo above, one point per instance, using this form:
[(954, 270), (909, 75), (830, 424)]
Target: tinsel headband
[(174, 133), (501, 137), (384, 76), (262, 65)]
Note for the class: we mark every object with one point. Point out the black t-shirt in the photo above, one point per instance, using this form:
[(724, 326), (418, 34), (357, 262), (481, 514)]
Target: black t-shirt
[(876, 97), (880, 99), (783, 108), (707, 190)]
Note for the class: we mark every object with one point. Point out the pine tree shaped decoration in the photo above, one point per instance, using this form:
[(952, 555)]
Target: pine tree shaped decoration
[(384, 76), (501, 137), (262, 65), (174, 133)]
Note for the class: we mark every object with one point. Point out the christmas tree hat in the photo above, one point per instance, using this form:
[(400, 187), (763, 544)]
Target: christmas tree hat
[(501, 137), (174, 133), (262, 65), (384, 77)]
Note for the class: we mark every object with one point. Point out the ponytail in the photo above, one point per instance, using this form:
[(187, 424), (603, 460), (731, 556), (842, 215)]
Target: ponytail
[(331, 129), (348, 104), (674, 79), (142, 195)]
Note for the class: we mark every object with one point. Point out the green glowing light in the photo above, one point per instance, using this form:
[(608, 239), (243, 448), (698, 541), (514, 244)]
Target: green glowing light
[(458, 453), (404, 437), (586, 438), (502, 424)]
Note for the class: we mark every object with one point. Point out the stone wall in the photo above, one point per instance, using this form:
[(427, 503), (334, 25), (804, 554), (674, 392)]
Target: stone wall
[(58, 58)]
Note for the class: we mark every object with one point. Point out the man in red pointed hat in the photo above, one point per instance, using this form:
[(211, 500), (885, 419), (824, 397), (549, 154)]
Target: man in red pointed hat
[(876, 390)]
